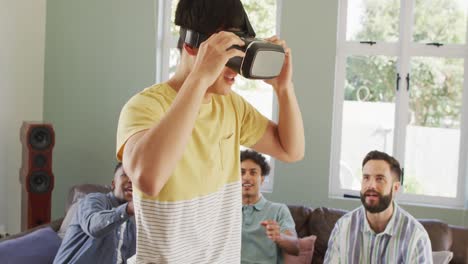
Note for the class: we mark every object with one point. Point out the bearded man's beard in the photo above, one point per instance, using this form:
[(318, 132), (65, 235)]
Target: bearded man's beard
[(384, 202)]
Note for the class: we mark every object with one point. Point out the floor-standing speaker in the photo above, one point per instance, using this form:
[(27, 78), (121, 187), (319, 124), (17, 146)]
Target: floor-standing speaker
[(36, 177)]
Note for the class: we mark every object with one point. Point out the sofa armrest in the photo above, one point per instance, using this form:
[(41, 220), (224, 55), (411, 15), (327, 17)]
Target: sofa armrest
[(77, 192), (321, 223), (439, 234), (460, 244), (55, 225), (300, 215)]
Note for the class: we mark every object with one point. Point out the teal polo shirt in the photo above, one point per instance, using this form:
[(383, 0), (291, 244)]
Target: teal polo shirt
[(256, 246)]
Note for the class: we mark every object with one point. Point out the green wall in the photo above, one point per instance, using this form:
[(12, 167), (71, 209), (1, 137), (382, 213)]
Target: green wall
[(98, 53), (309, 27)]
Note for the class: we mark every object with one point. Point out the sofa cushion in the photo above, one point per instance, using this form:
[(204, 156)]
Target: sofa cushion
[(79, 191), (301, 215), (460, 244), (67, 220), (306, 251), (439, 234), (321, 223), (37, 247), (441, 257)]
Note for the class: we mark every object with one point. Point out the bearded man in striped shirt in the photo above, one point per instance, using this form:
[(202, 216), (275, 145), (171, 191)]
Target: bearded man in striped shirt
[(379, 231)]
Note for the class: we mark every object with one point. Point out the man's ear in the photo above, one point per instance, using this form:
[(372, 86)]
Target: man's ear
[(190, 50), (396, 186), (113, 185), (263, 179)]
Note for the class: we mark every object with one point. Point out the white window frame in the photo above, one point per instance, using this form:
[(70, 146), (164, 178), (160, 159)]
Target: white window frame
[(403, 50), (165, 41)]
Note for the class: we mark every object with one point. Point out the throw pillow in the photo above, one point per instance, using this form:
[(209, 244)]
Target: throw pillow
[(306, 251), (37, 247), (67, 220), (441, 257)]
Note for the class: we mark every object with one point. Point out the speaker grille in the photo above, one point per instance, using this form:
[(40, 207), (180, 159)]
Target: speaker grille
[(40, 138), (39, 161), (39, 182)]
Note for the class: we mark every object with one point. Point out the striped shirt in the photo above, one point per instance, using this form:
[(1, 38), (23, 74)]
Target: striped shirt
[(197, 216), (204, 230), (404, 240)]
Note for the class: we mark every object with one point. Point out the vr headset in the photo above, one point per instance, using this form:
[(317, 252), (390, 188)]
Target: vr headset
[(262, 60)]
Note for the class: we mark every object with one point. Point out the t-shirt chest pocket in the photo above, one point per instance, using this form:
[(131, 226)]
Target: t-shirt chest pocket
[(226, 149)]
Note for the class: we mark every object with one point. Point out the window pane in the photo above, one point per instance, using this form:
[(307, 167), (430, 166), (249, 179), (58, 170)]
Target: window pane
[(262, 16), (373, 20), (442, 21), (257, 93), (174, 57), (174, 28), (435, 108), (368, 113)]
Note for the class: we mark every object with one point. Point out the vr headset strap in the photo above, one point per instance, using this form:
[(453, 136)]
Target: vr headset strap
[(194, 39)]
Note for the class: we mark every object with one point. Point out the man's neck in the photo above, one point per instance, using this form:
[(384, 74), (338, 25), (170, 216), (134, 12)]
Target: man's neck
[(119, 200), (250, 200), (378, 221)]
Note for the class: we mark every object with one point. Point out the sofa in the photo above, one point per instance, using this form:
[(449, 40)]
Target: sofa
[(318, 222), (40, 244)]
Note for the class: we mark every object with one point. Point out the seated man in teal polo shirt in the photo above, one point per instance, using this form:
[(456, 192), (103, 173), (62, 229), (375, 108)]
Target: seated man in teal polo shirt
[(268, 228)]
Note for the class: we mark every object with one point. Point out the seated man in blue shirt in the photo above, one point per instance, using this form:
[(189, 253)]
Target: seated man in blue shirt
[(103, 228), (268, 228)]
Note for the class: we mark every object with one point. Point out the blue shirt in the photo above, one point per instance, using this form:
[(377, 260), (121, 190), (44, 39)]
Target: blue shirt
[(256, 246), (94, 232), (404, 240)]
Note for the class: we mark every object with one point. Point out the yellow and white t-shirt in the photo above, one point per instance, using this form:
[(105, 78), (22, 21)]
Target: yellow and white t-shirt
[(196, 218)]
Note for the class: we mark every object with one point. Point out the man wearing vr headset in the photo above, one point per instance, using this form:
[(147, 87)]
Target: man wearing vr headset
[(180, 140)]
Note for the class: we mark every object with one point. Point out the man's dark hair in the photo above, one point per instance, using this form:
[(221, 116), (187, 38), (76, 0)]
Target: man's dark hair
[(117, 167), (209, 16), (391, 161), (258, 158)]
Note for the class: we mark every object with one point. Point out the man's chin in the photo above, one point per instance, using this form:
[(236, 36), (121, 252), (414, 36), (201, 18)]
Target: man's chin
[(224, 90), (375, 208), (221, 88), (249, 194), (373, 203), (128, 197)]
